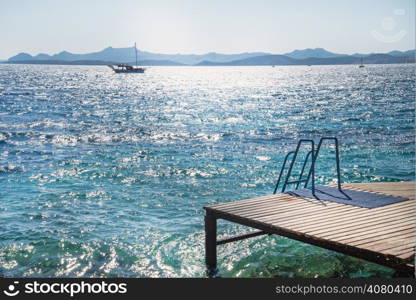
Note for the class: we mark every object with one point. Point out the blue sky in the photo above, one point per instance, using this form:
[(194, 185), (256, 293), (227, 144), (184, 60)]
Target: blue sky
[(194, 26)]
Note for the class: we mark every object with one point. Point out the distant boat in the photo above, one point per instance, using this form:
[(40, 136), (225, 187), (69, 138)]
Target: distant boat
[(126, 68), (361, 64)]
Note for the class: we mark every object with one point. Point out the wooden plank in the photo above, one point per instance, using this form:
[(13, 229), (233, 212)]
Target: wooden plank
[(393, 247), (404, 236), (354, 216), (296, 213), (406, 252), (281, 202), (390, 243), (349, 239), (407, 255), (380, 237), (358, 213), (390, 261), (402, 189), (304, 210), (384, 235), (369, 231), (251, 200), (274, 204), (325, 218), (345, 225), (358, 232)]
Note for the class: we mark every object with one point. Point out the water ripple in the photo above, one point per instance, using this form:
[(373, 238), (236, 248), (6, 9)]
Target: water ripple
[(106, 175)]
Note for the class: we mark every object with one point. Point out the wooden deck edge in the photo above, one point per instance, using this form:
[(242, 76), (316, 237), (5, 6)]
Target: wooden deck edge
[(360, 186), (391, 261)]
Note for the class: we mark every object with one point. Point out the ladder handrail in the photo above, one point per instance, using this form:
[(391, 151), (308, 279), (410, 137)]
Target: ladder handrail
[(281, 170), (289, 173), (293, 162), (303, 169), (311, 173), (336, 158)]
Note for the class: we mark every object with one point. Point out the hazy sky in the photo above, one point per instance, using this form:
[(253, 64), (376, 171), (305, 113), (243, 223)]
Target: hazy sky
[(196, 26)]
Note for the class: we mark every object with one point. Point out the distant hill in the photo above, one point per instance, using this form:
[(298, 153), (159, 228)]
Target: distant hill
[(264, 60), (308, 53), (124, 55), (96, 62), (316, 56), (21, 57), (370, 59), (282, 60), (407, 53), (402, 53)]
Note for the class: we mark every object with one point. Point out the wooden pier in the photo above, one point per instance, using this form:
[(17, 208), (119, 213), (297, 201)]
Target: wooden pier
[(384, 235)]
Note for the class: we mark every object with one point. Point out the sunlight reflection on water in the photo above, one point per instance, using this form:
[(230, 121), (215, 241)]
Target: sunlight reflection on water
[(106, 175)]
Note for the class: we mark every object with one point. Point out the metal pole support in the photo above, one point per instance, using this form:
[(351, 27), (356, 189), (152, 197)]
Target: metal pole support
[(211, 242)]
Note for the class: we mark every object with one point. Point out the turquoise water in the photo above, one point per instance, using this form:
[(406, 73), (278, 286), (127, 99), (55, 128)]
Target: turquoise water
[(106, 175)]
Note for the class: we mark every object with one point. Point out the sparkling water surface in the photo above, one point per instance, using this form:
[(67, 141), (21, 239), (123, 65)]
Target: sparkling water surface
[(106, 174)]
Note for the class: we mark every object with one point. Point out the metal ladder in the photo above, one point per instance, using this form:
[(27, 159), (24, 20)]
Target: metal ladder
[(313, 154)]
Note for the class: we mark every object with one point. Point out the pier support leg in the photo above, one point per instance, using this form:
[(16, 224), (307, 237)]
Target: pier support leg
[(211, 243)]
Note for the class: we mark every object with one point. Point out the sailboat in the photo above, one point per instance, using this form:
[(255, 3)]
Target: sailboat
[(361, 65), (125, 68)]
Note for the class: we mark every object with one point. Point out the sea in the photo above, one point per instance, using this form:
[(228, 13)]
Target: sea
[(106, 175)]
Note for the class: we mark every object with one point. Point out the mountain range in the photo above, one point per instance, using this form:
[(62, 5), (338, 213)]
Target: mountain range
[(125, 55), (317, 56), (283, 60)]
